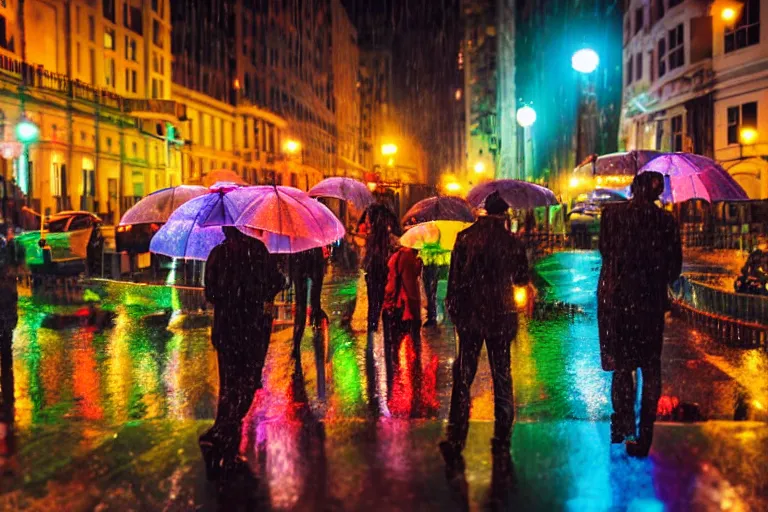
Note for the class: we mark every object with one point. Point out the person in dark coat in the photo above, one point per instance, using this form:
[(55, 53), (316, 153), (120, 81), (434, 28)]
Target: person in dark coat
[(241, 281), (402, 307), (379, 224), (304, 267), (642, 256), (9, 299), (487, 261)]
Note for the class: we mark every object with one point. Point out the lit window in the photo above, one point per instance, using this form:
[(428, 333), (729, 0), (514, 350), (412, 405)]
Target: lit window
[(109, 39), (746, 32), (740, 117), (677, 133), (676, 53)]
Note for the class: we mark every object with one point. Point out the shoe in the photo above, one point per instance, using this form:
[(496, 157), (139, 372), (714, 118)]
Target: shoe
[(638, 449), (620, 432), (454, 460)]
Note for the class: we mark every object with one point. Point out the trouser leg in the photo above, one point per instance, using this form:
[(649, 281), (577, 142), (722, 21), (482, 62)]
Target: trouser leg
[(300, 321), (623, 399), (375, 284), (649, 402), (464, 370), (504, 405), (430, 274)]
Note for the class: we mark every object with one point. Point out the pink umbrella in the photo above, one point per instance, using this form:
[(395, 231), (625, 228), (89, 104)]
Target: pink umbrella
[(690, 176), (158, 206), (623, 164), (287, 220), (346, 189), (519, 195)]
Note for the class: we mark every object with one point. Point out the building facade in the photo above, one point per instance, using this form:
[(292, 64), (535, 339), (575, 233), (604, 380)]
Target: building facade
[(94, 78), (701, 84)]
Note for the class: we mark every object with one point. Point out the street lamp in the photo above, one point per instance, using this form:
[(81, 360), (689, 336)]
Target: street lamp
[(526, 116), (27, 132), (585, 61), (388, 149), (291, 147), (479, 167), (728, 14), (748, 136), (452, 187)]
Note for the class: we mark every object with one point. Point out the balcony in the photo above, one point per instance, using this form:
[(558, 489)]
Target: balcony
[(166, 110)]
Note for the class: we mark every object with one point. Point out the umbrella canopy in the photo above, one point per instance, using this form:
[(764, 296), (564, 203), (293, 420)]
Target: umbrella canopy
[(607, 195), (287, 220), (519, 195), (158, 206), (195, 228), (439, 208), (346, 189), (223, 175), (689, 176), (623, 164), (434, 235)]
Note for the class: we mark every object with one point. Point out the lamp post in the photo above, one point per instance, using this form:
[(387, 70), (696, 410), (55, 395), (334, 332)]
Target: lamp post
[(27, 132), (525, 117), (584, 62), (747, 137)]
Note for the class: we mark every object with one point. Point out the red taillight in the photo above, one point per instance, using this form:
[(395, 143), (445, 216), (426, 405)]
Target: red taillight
[(155, 227)]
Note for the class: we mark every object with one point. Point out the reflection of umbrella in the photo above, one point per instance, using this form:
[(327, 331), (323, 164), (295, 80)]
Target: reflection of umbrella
[(346, 189), (519, 195), (621, 164), (438, 235), (287, 220), (689, 176), (158, 206), (195, 228), (439, 208), (223, 175)]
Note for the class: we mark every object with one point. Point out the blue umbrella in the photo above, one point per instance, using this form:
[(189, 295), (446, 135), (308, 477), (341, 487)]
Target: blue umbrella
[(194, 229)]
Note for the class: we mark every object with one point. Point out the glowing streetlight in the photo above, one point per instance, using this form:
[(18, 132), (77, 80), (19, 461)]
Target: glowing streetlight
[(526, 116), (479, 167), (575, 182), (371, 186), (291, 146), (748, 136), (585, 61), (27, 131), (728, 14), (388, 149), (452, 187)]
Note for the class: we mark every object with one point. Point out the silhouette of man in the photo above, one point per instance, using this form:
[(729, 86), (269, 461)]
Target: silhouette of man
[(303, 267), (8, 318), (642, 256), (487, 261), (241, 281)]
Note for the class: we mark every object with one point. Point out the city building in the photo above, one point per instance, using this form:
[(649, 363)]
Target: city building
[(347, 87), (577, 112), (488, 60), (87, 90)]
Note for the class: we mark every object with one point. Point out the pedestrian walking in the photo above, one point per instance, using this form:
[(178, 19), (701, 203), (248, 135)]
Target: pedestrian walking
[(306, 270), (8, 319), (487, 261), (380, 225), (241, 281), (642, 256), (402, 307), (435, 265)]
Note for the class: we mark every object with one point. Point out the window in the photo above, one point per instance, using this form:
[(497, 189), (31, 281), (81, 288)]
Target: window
[(92, 63), (741, 116), (55, 180), (130, 49), (674, 3), (109, 39), (676, 135), (676, 54), (659, 9), (91, 29), (639, 66), (155, 89), (638, 20), (154, 5), (134, 148), (661, 56), (108, 9), (157, 34), (629, 69), (245, 133), (130, 80), (746, 32), (77, 19), (77, 57), (109, 72)]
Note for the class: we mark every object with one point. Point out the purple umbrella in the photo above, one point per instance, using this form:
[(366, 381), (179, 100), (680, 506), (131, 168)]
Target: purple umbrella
[(519, 195), (287, 220), (622, 164), (439, 208), (346, 189), (194, 229), (158, 206), (689, 176)]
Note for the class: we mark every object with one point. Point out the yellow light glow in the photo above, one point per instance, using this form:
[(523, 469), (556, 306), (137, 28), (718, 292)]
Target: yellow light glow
[(388, 149), (748, 135), (458, 94), (758, 405), (521, 297), (371, 186), (574, 182), (391, 162), (291, 146), (479, 167), (452, 187), (728, 14)]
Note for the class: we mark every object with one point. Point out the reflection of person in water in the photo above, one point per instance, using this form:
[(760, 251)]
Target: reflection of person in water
[(8, 320)]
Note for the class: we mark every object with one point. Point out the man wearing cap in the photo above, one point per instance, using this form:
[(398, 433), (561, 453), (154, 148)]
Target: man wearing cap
[(642, 256), (487, 261)]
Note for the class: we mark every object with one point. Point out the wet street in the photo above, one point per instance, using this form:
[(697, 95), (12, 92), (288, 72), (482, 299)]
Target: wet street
[(107, 417)]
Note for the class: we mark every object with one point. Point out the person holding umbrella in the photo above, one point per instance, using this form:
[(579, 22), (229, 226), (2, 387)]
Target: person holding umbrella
[(303, 267), (642, 256), (487, 261), (241, 281)]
